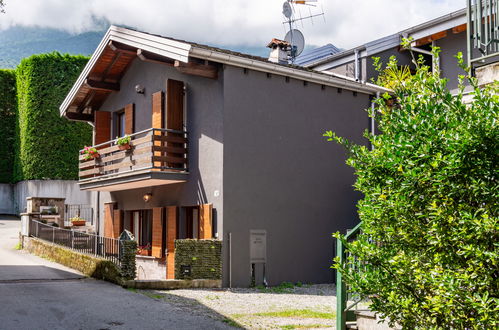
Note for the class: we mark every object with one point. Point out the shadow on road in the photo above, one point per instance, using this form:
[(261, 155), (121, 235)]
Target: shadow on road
[(17, 273)]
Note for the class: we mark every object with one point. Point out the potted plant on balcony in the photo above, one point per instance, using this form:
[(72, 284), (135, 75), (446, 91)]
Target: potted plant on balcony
[(77, 221), (144, 250), (124, 142), (90, 153)]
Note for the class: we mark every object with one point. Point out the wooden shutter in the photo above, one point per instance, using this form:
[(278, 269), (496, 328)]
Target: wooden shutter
[(175, 114), (108, 219), (171, 234), (129, 118), (102, 129), (157, 232), (157, 120), (205, 221), (117, 223)]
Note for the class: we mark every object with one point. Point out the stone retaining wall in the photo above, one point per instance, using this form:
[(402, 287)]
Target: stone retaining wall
[(204, 257)]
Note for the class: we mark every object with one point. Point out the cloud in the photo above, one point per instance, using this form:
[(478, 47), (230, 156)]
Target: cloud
[(231, 22)]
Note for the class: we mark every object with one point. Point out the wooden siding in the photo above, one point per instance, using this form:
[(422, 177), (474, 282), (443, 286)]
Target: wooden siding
[(108, 219), (117, 223)]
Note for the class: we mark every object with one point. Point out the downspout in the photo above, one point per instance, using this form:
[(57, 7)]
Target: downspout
[(230, 260), (356, 67)]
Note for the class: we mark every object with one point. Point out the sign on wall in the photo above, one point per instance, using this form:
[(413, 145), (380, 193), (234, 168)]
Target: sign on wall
[(258, 246)]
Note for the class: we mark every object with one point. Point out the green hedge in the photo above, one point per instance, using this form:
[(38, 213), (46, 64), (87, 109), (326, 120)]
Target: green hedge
[(8, 105), (203, 256), (48, 145)]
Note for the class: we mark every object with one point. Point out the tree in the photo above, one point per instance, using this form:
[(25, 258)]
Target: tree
[(429, 241)]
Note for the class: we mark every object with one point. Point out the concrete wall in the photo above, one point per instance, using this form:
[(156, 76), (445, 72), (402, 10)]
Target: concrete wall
[(50, 188), (7, 199), (204, 112), (281, 175)]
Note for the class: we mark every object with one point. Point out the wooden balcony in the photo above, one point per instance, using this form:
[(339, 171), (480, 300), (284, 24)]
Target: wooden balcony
[(156, 157)]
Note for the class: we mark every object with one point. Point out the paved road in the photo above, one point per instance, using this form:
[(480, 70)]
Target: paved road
[(38, 294)]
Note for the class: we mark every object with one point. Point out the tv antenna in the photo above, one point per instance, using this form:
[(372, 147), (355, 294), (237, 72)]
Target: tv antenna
[(294, 36)]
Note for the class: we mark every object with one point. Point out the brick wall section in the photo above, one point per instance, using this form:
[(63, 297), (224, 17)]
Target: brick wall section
[(204, 257)]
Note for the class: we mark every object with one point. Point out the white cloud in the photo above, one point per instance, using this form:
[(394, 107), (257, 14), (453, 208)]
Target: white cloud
[(231, 22)]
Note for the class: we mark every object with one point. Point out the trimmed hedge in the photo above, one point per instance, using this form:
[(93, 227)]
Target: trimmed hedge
[(8, 104), (48, 145), (204, 257)]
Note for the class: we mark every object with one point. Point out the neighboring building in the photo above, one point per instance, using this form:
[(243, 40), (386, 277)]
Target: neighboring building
[(316, 54), (225, 145), (447, 32)]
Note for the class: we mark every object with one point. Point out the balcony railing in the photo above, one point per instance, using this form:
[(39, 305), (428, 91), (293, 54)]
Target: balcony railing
[(156, 150), (483, 30)]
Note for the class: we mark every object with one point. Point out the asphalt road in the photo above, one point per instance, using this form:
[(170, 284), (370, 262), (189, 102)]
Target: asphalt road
[(38, 294)]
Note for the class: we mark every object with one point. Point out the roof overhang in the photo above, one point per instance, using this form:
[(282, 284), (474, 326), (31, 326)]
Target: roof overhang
[(120, 46)]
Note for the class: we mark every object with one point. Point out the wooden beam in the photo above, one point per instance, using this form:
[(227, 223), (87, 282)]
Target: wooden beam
[(118, 48), (202, 70), (459, 28), (146, 57), (79, 116), (86, 101), (428, 39), (102, 86)]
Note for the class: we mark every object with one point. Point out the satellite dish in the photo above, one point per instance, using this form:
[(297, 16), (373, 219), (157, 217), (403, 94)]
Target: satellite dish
[(286, 9), (297, 41)]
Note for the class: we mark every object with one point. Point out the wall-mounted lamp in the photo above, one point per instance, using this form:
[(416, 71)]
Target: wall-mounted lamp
[(140, 89), (147, 197)]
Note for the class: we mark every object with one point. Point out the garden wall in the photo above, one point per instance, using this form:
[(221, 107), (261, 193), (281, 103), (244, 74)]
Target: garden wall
[(204, 257)]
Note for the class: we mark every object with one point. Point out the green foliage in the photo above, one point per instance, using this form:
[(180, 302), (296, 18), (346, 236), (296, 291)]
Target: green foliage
[(48, 145), (393, 76), (8, 104), (128, 269), (429, 238)]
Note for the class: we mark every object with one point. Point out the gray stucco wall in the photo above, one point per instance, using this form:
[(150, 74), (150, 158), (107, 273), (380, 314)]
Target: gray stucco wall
[(204, 109), (450, 46), (7, 199), (282, 176)]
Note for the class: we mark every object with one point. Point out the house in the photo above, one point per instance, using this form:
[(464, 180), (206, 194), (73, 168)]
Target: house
[(449, 32), (224, 145)]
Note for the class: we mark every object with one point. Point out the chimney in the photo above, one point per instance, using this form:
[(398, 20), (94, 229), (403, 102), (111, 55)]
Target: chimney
[(279, 51)]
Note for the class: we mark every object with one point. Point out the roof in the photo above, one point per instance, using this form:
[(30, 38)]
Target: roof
[(417, 32), (120, 46), (316, 54)]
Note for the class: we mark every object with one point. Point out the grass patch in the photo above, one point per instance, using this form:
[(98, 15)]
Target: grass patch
[(146, 293), (231, 322), (305, 326), (18, 246), (300, 313), (284, 287), (212, 297), (132, 290)]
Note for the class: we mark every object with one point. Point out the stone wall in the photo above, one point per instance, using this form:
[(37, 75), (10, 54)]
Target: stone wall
[(204, 257), (150, 268)]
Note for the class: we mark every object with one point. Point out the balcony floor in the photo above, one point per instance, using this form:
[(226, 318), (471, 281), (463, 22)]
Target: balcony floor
[(133, 180)]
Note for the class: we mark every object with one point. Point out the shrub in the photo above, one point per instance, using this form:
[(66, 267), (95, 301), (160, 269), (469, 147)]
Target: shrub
[(8, 104), (48, 145), (429, 212)]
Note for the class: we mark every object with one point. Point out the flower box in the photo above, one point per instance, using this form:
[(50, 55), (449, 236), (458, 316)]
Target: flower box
[(78, 222), (126, 146)]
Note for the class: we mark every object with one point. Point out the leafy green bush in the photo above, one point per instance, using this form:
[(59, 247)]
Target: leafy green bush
[(429, 214), (8, 103), (48, 145)]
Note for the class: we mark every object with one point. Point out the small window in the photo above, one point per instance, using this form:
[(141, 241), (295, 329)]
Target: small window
[(120, 123)]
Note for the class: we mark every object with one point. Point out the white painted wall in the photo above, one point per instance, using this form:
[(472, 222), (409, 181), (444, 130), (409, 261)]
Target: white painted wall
[(49, 188), (7, 199)]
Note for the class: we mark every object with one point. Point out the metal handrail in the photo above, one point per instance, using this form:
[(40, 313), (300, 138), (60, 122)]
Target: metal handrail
[(482, 29), (342, 293), (139, 133)]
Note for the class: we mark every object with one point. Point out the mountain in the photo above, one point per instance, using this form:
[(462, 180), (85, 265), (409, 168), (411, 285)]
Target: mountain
[(19, 42)]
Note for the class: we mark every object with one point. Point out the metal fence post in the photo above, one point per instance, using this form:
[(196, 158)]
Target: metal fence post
[(341, 315), (53, 234)]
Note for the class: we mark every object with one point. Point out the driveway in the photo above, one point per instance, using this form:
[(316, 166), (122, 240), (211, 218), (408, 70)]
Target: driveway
[(38, 294)]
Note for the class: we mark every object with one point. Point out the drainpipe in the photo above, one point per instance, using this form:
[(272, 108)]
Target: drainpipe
[(230, 260), (356, 61)]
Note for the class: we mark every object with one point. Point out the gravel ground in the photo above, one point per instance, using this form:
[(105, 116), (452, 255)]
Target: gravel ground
[(305, 306)]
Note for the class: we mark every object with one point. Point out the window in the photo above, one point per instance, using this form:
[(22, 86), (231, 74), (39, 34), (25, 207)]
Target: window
[(190, 222), (120, 123), (142, 227)]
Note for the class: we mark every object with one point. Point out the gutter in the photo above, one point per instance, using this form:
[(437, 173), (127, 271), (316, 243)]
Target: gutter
[(329, 79)]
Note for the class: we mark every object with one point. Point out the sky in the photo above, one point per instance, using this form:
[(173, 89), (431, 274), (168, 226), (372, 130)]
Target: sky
[(346, 23)]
